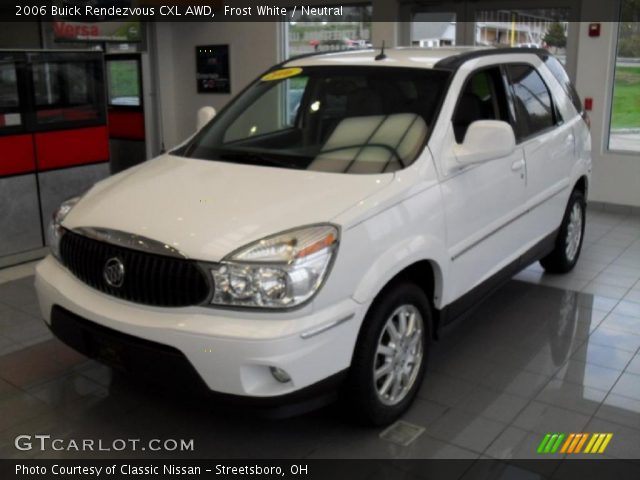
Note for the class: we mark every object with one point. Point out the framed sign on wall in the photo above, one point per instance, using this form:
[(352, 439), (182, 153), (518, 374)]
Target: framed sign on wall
[(212, 69)]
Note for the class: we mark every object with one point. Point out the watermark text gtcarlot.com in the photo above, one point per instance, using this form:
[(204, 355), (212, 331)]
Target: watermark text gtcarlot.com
[(45, 443)]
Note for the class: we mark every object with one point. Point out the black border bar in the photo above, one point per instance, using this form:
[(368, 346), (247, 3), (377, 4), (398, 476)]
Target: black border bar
[(583, 469), (247, 10)]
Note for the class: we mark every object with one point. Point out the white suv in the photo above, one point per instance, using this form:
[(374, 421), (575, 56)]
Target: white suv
[(315, 235)]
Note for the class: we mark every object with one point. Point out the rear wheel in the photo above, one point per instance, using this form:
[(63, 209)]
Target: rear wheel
[(390, 357), (570, 237)]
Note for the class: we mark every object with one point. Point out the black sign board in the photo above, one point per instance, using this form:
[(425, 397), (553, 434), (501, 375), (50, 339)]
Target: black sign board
[(212, 69)]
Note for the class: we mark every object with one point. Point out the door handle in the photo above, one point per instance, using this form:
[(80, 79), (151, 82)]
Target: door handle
[(517, 165)]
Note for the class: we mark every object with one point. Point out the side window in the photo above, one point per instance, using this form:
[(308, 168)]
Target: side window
[(46, 81), (9, 102), (558, 71), (534, 106), (482, 98), (67, 91)]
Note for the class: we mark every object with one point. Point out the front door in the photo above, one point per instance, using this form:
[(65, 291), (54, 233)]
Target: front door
[(483, 202)]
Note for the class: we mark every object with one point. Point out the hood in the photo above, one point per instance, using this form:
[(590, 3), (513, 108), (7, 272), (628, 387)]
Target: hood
[(206, 209)]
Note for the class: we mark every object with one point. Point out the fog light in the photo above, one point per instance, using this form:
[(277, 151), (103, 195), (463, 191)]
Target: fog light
[(280, 375)]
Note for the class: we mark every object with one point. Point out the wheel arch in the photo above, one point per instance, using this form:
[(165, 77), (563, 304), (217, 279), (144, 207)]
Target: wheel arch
[(428, 276), (582, 185)]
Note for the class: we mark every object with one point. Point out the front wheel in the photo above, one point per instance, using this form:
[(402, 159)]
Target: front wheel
[(569, 242), (390, 356)]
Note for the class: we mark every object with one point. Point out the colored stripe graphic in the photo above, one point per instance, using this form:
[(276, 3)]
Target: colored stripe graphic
[(599, 442), (582, 440), (551, 442), (543, 443), (556, 446), (574, 443), (606, 441), (594, 437), (567, 443), (596, 445)]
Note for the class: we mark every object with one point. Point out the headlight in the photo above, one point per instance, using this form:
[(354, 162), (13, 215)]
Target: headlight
[(279, 271), (54, 231)]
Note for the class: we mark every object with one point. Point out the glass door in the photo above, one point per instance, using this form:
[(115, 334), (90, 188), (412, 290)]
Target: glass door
[(126, 110)]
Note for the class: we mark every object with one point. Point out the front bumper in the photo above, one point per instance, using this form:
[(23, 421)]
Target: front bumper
[(230, 351)]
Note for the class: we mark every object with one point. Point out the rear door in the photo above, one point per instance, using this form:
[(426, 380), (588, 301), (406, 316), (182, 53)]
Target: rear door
[(548, 144)]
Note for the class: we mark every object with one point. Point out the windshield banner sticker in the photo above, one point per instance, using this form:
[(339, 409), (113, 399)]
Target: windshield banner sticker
[(281, 74)]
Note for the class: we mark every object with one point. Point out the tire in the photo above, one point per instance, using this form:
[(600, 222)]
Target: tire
[(367, 405), (570, 237)]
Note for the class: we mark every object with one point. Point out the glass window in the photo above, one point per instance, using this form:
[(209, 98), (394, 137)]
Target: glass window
[(561, 75), (534, 28), (483, 98), (123, 80), (352, 31), (46, 82), (624, 134), (66, 91), (275, 110), (8, 85), (295, 89), (78, 90), (333, 119), (9, 100), (534, 107)]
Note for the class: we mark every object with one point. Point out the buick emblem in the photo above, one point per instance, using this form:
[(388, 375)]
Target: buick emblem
[(113, 272)]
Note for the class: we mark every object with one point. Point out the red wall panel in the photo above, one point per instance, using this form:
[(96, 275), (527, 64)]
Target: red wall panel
[(128, 125), (17, 154), (65, 148)]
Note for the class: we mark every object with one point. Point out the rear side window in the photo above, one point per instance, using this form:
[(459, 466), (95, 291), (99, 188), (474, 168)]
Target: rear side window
[(561, 75), (534, 106)]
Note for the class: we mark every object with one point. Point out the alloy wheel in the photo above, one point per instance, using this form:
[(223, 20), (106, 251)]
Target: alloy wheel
[(398, 355), (574, 232)]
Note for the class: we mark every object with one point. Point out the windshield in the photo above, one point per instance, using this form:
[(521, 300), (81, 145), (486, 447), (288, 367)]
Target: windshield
[(360, 120)]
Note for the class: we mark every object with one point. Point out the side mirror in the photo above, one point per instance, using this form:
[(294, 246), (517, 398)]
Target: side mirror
[(485, 140), (205, 114)]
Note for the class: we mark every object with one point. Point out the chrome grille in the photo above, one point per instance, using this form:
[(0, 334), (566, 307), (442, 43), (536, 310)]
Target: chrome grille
[(149, 279)]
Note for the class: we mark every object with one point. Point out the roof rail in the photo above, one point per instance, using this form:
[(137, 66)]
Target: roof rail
[(313, 54), (298, 57), (455, 61)]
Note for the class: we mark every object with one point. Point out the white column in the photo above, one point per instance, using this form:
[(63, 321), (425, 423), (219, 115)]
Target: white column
[(383, 29)]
